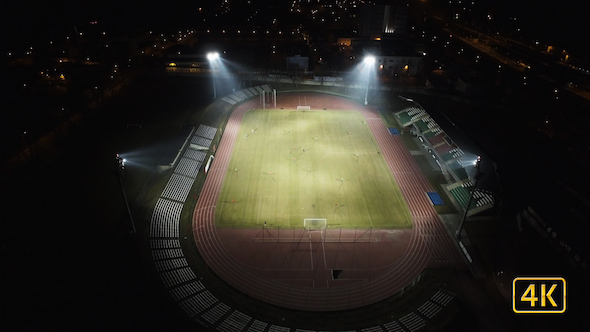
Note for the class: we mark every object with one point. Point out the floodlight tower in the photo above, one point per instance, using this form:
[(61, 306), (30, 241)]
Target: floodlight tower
[(120, 168), (212, 57), (478, 176), (369, 62)]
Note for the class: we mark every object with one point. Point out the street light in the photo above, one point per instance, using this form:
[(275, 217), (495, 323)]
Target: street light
[(369, 62), (213, 56)]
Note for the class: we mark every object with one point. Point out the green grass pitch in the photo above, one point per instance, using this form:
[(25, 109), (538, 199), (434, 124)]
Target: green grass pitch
[(289, 165)]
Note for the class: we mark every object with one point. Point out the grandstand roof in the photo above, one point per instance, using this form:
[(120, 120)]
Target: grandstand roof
[(466, 144)]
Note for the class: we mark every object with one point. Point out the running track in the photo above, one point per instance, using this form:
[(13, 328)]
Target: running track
[(430, 244)]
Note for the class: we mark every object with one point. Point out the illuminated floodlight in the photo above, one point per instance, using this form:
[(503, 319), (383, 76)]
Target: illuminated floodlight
[(369, 60), (212, 56), (476, 161), (120, 162)]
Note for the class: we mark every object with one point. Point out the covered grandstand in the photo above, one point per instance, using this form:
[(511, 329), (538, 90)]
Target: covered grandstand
[(448, 156)]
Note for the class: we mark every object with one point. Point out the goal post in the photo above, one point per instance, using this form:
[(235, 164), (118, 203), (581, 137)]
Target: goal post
[(303, 108), (315, 224)]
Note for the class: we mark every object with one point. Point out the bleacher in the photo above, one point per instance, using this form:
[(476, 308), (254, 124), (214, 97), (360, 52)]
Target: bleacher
[(444, 148), (442, 298), (241, 95), (422, 124), (236, 322), (235, 97), (183, 291), (257, 326), (178, 187), (176, 277), (432, 125), (195, 154), (206, 131), (410, 115), (457, 170), (483, 198), (188, 167), (198, 303), (277, 328), (461, 194), (215, 313), (393, 327), (452, 155), (413, 322), (253, 91), (245, 94), (435, 138), (461, 191), (201, 142), (433, 133), (229, 100), (404, 117), (429, 309), (164, 243), (169, 260), (165, 219), (248, 93), (171, 264)]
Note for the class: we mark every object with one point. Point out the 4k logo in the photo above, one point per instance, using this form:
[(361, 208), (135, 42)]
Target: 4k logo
[(538, 295)]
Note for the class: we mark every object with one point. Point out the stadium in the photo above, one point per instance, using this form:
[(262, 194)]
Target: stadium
[(310, 202), (230, 166)]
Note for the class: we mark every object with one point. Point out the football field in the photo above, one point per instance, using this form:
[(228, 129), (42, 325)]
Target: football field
[(290, 165)]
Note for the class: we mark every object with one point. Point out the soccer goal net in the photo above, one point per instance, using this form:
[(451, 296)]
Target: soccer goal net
[(315, 224), (303, 108)]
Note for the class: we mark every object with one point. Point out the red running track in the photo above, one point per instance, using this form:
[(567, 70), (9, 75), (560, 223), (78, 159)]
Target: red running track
[(227, 252)]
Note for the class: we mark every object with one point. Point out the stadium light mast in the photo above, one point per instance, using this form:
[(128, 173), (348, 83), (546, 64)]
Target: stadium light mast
[(212, 57), (478, 176), (120, 168), (369, 62)]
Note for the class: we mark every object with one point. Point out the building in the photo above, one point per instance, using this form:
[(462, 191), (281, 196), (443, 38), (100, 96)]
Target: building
[(381, 21), (399, 65)]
